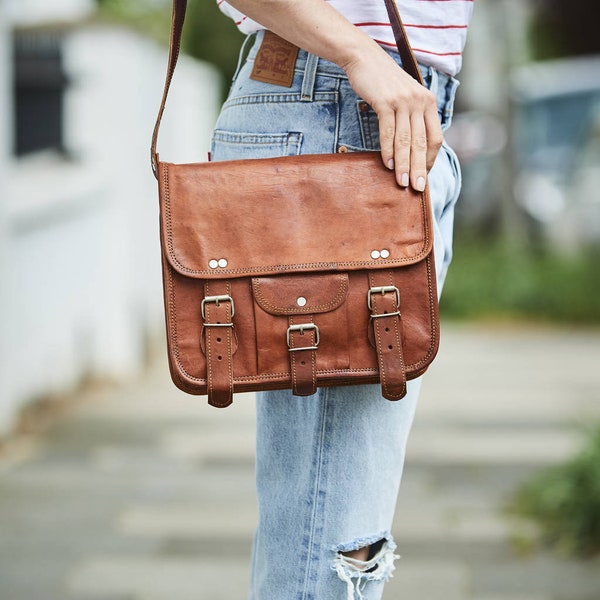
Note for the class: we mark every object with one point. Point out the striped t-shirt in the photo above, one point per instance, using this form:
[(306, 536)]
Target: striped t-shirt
[(437, 29)]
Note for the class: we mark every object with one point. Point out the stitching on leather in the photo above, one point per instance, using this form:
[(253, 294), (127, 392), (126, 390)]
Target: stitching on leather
[(377, 325), (167, 203), (299, 267), (334, 303), (229, 336), (277, 268), (210, 349), (293, 361), (294, 358), (397, 321), (434, 331), (313, 368), (378, 343), (172, 311)]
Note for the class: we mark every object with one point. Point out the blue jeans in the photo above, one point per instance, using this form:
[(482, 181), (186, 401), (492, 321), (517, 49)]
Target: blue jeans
[(328, 467)]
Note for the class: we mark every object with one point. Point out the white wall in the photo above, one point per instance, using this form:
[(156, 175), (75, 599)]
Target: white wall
[(6, 412), (81, 247), (33, 12)]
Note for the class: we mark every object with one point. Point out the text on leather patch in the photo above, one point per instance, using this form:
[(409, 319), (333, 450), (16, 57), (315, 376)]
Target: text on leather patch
[(275, 61)]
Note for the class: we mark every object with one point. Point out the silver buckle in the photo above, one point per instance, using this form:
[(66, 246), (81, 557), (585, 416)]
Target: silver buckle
[(216, 300), (301, 328), (383, 290)]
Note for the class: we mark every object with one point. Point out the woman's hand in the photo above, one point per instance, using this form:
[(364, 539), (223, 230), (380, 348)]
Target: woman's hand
[(409, 127)]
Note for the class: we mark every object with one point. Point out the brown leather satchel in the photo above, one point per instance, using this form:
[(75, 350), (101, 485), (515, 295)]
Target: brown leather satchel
[(316, 271)]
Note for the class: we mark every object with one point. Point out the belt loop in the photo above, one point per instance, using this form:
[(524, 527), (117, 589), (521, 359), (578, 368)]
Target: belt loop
[(451, 88), (433, 81), (243, 54), (310, 73)]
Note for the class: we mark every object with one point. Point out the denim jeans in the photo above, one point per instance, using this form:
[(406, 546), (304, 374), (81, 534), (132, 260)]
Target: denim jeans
[(328, 467)]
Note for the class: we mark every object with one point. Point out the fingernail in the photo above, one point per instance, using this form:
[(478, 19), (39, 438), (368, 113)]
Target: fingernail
[(404, 180), (390, 164), (420, 184)]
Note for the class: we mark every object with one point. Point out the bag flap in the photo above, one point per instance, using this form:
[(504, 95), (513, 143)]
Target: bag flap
[(300, 294), (291, 214)]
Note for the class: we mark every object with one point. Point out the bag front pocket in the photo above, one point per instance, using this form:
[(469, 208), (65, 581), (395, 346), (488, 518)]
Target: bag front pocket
[(314, 302)]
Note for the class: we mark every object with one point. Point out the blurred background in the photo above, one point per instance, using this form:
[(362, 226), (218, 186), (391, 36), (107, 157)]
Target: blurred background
[(81, 312)]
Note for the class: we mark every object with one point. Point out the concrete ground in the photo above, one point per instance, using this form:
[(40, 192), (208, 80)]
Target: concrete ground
[(140, 492)]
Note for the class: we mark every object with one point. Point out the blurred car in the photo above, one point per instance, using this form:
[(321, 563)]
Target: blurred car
[(479, 140), (555, 147), (557, 133)]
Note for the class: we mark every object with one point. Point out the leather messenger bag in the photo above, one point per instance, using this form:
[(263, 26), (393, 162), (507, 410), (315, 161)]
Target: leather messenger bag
[(294, 272)]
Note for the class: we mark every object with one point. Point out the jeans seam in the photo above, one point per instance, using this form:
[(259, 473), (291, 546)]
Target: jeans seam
[(336, 134), (320, 475)]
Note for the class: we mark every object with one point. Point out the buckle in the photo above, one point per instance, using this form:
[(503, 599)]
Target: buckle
[(383, 290), (216, 300), (301, 328)]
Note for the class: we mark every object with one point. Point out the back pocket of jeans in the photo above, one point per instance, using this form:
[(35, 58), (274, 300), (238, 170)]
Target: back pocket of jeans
[(227, 145)]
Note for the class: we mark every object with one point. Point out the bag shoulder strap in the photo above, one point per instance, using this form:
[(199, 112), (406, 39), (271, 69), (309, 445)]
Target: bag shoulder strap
[(177, 19), (409, 61)]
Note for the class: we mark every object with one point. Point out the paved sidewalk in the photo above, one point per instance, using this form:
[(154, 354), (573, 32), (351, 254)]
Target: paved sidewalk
[(143, 493)]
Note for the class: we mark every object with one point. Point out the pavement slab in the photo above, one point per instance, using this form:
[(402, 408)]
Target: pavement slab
[(140, 492)]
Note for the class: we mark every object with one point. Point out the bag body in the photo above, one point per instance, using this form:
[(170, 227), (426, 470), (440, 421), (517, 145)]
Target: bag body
[(317, 270), (294, 272)]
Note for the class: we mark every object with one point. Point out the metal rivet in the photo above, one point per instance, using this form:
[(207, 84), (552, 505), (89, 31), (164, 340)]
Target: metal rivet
[(385, 253), (222, 263), (363, 106), (375, 254), (342, 149), (213, 264), (301, 301)]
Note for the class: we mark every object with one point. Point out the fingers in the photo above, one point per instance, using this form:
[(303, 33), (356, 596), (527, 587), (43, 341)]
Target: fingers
[(418, 152), (410, 137), (394, 139), (410, 133), (387, 130), (435, 137)]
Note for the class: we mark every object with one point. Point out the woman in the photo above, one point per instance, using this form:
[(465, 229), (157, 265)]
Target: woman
[(329, 466)]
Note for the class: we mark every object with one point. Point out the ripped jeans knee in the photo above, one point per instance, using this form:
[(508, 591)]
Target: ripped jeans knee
[(358, 573)]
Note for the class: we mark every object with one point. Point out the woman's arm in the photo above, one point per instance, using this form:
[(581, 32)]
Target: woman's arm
[(409, 127)]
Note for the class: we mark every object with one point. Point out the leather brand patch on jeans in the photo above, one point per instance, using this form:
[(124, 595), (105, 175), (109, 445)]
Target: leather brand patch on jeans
[(275, 61)]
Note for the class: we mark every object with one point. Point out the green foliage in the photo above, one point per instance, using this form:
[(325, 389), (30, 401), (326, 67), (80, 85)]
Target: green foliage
[(150, 18), (213, 37), (562, 28), (565, 500), (208, 34), (489, 279)]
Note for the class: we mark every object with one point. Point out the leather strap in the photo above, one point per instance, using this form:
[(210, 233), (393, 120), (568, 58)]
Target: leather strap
[(177, 19), (384, 305), (302, 345), (217, 314), (409, 61)]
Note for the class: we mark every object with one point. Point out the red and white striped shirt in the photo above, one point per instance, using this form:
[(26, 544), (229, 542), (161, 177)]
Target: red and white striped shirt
[(437, 29)]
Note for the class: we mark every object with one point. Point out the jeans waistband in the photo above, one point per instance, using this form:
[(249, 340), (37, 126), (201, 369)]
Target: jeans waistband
[(443, 86)]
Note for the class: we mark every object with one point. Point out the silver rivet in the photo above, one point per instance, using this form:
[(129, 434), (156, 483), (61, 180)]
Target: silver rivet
[(375, 254), (213, 264), (301, 301), (385, 253), (222, 263)]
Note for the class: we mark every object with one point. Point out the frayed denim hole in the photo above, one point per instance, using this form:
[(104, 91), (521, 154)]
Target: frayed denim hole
[(356, 573)]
